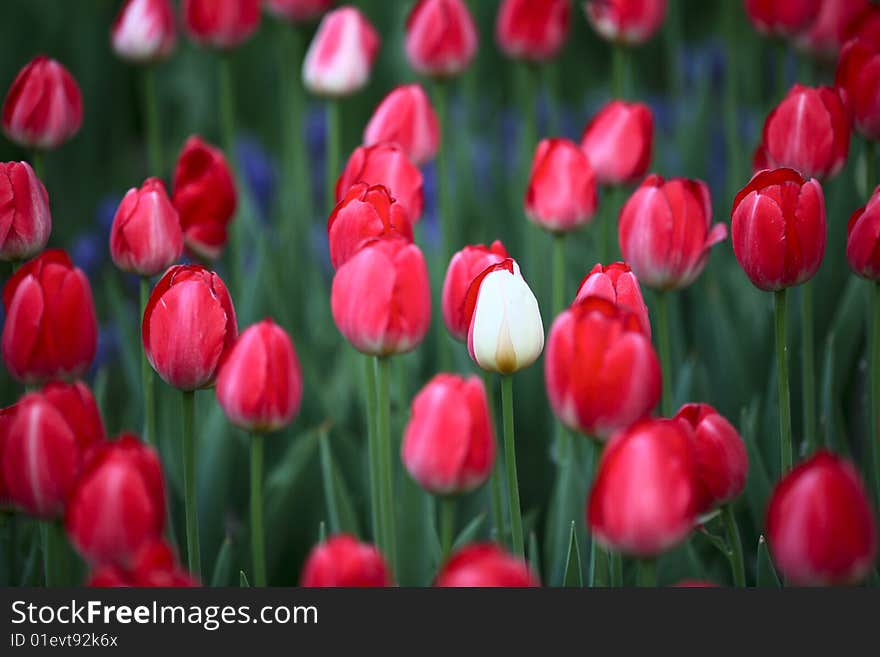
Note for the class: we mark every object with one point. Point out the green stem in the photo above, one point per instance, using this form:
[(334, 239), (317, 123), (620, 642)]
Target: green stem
[(447, 525), (874, 429), (154, 137), (606, 226), (147, 379), (782, 375), (445, 218), (50, 554), (808, 367), (648, 573), (496, 482), (510, 459), (734, 543), (598, 556), (618, 71), (37, 165), (558, 273), (616, 569), (227, 125), (333, 148), (189, 483), (870, 164), (258, 548), (383, 424), (373, 451), (665, 351), (329, 484)]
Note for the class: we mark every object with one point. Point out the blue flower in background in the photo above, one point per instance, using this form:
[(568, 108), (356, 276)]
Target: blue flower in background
[(109, 342), (259, 171), (429, 224)]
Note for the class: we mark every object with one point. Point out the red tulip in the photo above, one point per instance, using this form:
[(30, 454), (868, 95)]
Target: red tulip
[(260, 382), (760, 159), (561, 195), (782, 18), (534, 30), (722, 462), (665, 231), (155, 565), (463, 268), (448, 444), (863, 238), (441, 38), (298, 11), (341, 55), (833, 25), (617, 283), (484, 565), (204, 195), (618, 142), (144, 31), (601, 371), (25, 220), (385, 164), (189, 325), (820, 524), (43, 108), (51, 330), (221, 23), (381, 298), (406, 117), (858, 73), (695, 584), (626, 21), (363, 215), (343, 561), (809, 131), (645, 498), (778, 229), (866, 26), (146, 238), (118, 504), (7, 416)]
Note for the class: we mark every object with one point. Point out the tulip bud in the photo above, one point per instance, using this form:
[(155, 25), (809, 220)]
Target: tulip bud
[(448, 444), (155, 565), (665, 231), (363, 215), (406, 117), (341, 55), (858, 74), (260, 382), (343, 561), (506, 333), (381, 298), (626, 21), (43, 108), (189, 325), (51, 330), (617, 284), (820, 524), (533, 30), (441, 38), (778, 229), (204, 195), (7, 416), (832, 26), (463, 268), (485, 565), (25, 220), (645, 498), (298, 11), (863, 237), (144, 31), (809, 131), (782, 18), (760, 159), (221, 23), (385, 164), (146, 238), (561, 195), (618, 142), (722, 462)]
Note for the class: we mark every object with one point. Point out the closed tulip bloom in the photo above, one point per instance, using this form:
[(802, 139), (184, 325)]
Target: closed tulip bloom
[(7, 416), (144, 31), (782, 18), (363, 215), (778, 229), (78, 407), (809, 131), (760, 159), (298, 11), (118, 504), (561, 195), (406, 117), (448, 444), (43, 108), (221, 23), (820, 525), (618, 141), (722, 462), (506, 333), (204, 195), (645, 499), (863, 238), (155, 565), (618, 284), (342, 561), (260, 382), (463, 268), (858, 73), (626, 21), (25, 220), (146, 238), (666, 231), (441, 38), (51, 330), (341, 56), (534, 30), (381, 298), (189, 325), (485, 565), (385, 164), (833, 26)]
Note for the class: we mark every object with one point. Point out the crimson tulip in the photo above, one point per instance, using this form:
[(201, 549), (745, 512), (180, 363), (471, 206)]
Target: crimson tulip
[(618, 284), (155, 565), (485, 565), (221, 23), (863, 238), (25, 219), (343, 561), (144, 31), (385, 164), (405, 116), (858, 74), (534, 30), (464, 267), (618, 141), (561, 194), (782, 18), (341, 55), (626, 21), (298, 11), (441, 37)]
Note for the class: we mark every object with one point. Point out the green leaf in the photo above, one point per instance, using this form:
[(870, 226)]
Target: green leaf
[(469, 533), (322, 532), (767, 577), (534, 556), (567, 502), (572, 576), (243, 580), (329, 481), (758, 481), (223, 565)]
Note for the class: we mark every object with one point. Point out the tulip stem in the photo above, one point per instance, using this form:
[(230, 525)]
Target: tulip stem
[(599, 558), (808, 368), (648, 573), (734, 543), (258, 548), (618, 71), (447, 525), (383, 423), (870, 163), (227, 126), (50, 554), (444, 218), (606, 225), (333, 148), (37, 165), (558, 273), (147, 379), (616, 568), (874, 429), (496, 483), (151, 111), (665, 351), (782, 377), (510, 460), (373, 451), (189, 483)]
